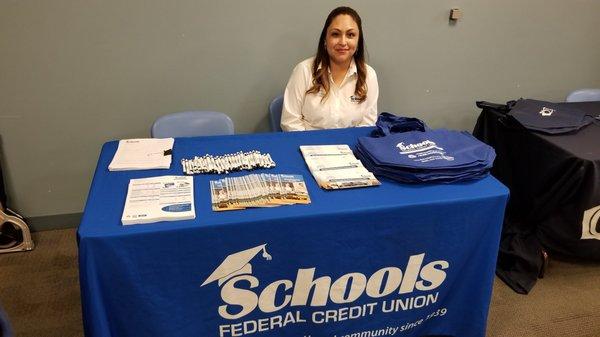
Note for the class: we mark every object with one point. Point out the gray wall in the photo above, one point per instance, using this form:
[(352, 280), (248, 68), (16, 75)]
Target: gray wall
[(75, 74)]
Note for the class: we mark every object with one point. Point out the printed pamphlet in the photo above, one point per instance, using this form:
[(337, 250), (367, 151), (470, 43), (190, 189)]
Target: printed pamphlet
[(165, 198), (258, 190), (336, 167)]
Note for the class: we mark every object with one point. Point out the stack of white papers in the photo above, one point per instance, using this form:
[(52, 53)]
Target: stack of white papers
[(165, 198), (142, 154), (336, 167)]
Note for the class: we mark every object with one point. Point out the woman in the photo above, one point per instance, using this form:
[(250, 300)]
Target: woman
[(336, 88)]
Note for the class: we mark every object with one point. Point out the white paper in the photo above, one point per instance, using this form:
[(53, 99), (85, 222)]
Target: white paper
[(345, 178), (142, 154), (165, 198), (325, 150), (336, 167), (326, 163)]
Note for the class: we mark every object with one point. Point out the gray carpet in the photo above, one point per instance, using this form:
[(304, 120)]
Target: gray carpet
[(40, 292)]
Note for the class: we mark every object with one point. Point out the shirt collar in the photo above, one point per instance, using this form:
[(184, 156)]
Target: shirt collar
[(351, 70)]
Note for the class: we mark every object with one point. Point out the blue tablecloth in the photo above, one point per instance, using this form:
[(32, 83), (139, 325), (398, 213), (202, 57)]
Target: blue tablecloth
[(392, 260)]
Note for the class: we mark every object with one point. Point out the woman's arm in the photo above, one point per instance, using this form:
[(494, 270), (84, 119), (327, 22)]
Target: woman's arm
[(293, 99), (370, 103)]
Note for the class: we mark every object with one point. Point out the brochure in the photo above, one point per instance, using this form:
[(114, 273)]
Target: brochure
[(258, 190), (166, 198), (336, 167)]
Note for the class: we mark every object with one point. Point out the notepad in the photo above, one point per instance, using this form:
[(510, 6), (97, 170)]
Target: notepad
[(142, 154)]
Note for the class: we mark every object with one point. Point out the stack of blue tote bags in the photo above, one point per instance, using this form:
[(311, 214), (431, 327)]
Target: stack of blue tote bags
[(406, 150)]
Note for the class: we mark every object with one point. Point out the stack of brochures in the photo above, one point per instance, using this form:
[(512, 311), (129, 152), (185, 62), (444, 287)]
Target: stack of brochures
[(165, 198), (258, 190), (336, 167), (142, 154)]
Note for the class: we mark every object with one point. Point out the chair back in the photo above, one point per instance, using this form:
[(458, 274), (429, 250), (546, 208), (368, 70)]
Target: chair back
[(192, 124), (5, 330), (584, 95), (275, 113)]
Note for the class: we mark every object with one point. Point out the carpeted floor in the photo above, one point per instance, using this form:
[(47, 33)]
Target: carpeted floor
[(40, 292), (566, 302)]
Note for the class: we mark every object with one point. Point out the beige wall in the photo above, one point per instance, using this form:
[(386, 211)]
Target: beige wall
[(74, 74)]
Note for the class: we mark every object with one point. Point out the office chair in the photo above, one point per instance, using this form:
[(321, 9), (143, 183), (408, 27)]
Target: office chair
[(5, 330), (191, 124), (584, 95), (275, 113)]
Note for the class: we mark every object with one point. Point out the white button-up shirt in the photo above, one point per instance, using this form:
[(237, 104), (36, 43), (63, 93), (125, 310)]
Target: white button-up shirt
[(302, 111)]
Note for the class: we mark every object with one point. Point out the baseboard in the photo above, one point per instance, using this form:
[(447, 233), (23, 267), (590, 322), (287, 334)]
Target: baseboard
[(50, 222)]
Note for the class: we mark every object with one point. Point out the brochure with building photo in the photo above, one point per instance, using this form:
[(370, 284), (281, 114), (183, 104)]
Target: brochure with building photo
[(294, 189), (220, 196), (276, 194), (166, 198), (258, 190), (336, 167)]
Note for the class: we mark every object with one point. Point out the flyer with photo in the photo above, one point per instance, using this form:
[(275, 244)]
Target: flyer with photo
[(258, 190)]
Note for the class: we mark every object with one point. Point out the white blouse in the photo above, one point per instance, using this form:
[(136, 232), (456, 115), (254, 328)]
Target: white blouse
[(302, 111)]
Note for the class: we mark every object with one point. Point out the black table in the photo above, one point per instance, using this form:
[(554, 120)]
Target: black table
[(554, 182)]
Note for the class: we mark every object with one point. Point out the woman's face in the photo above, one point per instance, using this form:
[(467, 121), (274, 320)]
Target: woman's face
[(342, 38)]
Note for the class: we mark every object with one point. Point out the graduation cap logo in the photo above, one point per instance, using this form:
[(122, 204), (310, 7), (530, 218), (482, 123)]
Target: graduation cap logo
[(236, 264), (546, 112)]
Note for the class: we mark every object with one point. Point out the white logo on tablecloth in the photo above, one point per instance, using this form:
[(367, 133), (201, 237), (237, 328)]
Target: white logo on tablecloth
[(241, 296), (590, 224), (545, 112)]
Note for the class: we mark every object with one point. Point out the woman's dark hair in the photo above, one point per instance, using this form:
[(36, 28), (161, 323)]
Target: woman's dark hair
[(321, 75)]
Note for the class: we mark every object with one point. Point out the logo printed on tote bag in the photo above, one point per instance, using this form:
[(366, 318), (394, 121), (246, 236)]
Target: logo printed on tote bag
[(545, 112), (417, 147)]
